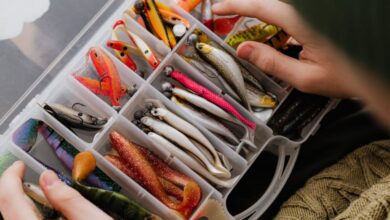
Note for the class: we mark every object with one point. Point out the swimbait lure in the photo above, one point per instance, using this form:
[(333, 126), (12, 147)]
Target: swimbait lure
[(102, 88), (259, 99), (26, 135), (189, 130), (207, 94), (138, 161), (183, 141), (227, 67), (75, 119), (147, 53), (156, 21), (190, 161), (260, 32), (206, 121)]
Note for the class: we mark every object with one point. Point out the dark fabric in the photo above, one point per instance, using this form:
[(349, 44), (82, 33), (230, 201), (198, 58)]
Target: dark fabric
[(360, 28)]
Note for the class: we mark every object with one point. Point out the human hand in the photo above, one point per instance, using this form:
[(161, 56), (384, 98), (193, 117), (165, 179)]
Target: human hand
[(15, 205), (321, 69)]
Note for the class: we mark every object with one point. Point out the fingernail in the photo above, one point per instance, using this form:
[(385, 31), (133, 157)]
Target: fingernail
[(49, 178), (216, 7), (245, 51)]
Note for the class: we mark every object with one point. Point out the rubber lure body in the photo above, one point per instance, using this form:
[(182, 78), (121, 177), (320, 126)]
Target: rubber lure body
[(84, 164), (208, 122), (260, 32), (188, 160), (227, 67), (97, 87), (202, 103), (207, 14), (108, 73), (173, 18), (189, 130), (212, 97), (146, 174), (66, 153), (259, 99), (26, 135), (114, 202), (171, 37), (182, 140), (142, 46), (75, 119), (156, 21), (188, 5)]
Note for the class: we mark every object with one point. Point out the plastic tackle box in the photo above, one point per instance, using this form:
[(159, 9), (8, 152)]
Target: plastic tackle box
[(55, 84)]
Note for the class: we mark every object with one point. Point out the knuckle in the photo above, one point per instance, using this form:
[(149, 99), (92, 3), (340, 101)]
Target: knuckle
[(265, 62)]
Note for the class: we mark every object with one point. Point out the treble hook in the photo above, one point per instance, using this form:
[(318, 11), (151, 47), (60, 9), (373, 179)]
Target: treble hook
[(76, 104)]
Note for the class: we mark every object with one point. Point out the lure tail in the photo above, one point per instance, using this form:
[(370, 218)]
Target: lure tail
[(26, 135)]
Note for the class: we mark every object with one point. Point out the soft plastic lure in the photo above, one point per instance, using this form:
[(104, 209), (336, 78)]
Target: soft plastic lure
[(207, 94), (84, 164), (138, 161), (260, 32), (188, 5), (100, 88), (156, 21), (26, 135), (147, 53), (107, 71), (190, 161)]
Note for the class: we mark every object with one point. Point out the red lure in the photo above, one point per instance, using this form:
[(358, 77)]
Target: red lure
[(121, 51), (212, 97), (223, 26), (99, 88), (107, 71)]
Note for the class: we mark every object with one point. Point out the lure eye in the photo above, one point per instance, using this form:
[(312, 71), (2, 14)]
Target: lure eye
[(96, 55), (80, 114), (122, 54), (124, 48)]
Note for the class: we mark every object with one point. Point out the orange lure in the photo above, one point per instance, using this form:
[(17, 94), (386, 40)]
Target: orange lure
[(121, 50), (97, 87), (188, 5), (107, 71)]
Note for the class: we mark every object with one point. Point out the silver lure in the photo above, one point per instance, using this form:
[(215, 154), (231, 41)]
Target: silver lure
[(183, 141), (75, 118), (191, 162), (227, 67), (189, 130)]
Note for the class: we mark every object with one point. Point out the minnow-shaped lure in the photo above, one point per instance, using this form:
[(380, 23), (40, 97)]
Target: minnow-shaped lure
[(139, 8), (190, 161), (173, 18), (208, 122), (259, 99), (26, 135), (207, 94), (260, 32), (147, 53), (101, 88), (227, 67), (107, 71), (182, 140), (156, 21), (171, 37), (189, 130), (136, 159), (121, 52), (75, 119)]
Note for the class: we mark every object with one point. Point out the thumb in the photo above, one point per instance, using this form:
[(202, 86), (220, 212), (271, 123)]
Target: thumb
[(273, 62), (67, 200)]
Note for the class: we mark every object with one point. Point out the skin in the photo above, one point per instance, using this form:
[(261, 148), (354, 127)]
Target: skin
[(63, 198), (321, 68)]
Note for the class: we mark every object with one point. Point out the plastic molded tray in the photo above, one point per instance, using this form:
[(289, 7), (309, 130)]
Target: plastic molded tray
[(64, 89)]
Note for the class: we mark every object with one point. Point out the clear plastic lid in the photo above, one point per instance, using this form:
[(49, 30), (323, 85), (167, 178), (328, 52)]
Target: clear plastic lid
[(30, 61)]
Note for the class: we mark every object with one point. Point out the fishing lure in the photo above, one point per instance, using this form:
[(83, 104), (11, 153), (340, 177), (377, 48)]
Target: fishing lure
[(227, 67), (183, 141), (260, 32), (188, 5), (75, 119), (106, 69), (102, 88), (173, 18), (259, 99), (135, 159), (171, 37), (223, 26), (26, 135), (123, 56), (139, 8), (207, 14), (147, 53), (208, 122), (84, 164), (207, 94), (38, 197), (156, 21), (279, 41), (189, 130), (190, 161)]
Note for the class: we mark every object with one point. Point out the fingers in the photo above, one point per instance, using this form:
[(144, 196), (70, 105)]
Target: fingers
[(301, 75), (13, 201), (270, 11), (67, 200)]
